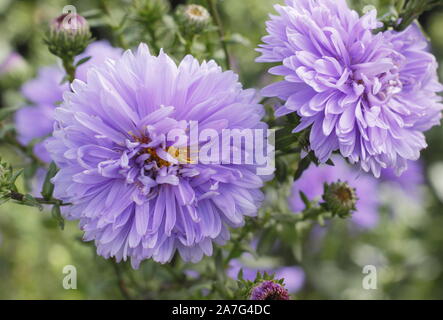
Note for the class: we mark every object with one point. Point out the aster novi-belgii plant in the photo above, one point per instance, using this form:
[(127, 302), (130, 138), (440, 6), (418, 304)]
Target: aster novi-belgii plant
[(131, 196), (370, 96)]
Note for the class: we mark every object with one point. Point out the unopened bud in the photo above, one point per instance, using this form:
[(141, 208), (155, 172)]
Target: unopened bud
[(5, 175), (148, 12), (269, 290), (70, 24), (69, 35), (340, 198), (193, 18)]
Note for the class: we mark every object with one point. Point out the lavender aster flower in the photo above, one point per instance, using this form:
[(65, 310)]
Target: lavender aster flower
[(269, 290), (132, 197), (369, 96), (46, 90), (409, 181), (312, 180)]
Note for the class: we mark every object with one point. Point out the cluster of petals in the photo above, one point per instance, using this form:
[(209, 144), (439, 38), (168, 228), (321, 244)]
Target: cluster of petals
[(131, 196), (370, 96)]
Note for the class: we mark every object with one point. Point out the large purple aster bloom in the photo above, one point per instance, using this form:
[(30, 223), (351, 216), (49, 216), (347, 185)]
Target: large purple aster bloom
[(312, 181), (130, 194), (36, 121), (369, 96)]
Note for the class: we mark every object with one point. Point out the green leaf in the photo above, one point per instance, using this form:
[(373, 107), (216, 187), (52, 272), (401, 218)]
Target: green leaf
[(305, 200), (14, 176), (56, 214), (302, 166), (281, 171), (81, 61), (240, 274), (48, 187), (29, 200)]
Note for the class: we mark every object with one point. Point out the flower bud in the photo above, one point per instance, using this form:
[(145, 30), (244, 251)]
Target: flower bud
[(148, 12), (193, 18), (269, 290), (5, 179), (70, 24), (340, 198), (69, 35)]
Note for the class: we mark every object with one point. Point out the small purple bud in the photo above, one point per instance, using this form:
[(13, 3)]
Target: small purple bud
[(269, 290), (69, 35), (70, 23)]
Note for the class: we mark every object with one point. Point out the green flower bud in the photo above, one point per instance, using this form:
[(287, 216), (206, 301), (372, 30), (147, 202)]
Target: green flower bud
[(193, 18), (150, 11), (340, 198), (7, 180), (69, 35)]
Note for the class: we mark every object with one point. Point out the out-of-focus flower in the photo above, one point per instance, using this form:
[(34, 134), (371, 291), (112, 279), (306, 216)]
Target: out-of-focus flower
[(12, 64), (311, 183), (131, 195), (34, 123), (409, 181), (369, 96), (294, 276), (269, 290)]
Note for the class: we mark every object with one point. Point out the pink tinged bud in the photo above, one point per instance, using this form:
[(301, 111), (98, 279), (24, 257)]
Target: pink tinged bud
[(269, 290), (70, 23)]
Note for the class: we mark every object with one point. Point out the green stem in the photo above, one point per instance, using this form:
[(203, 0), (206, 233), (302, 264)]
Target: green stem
[(68, 65), (413, 10), (153, 42), (236, 246), (120, 281), (20, 197), (215, 14), (188, 45)]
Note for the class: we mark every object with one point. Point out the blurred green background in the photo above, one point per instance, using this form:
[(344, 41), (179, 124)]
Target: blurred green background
[(406, 247)]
